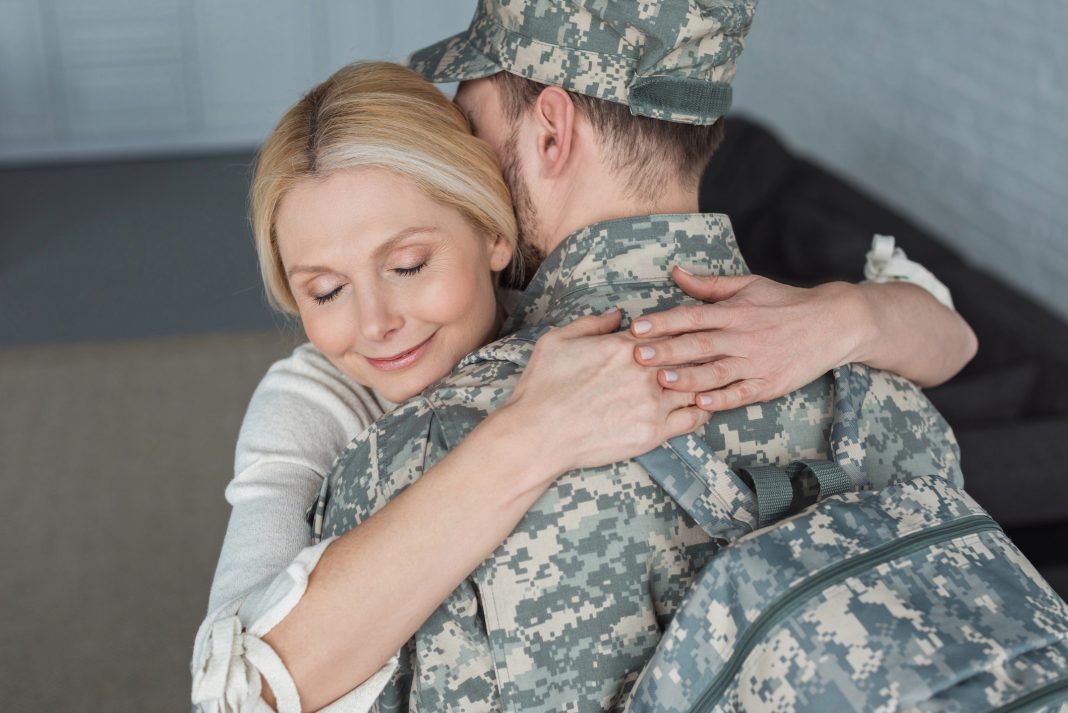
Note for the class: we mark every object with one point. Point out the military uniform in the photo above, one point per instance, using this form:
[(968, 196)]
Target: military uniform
[(566, 612)]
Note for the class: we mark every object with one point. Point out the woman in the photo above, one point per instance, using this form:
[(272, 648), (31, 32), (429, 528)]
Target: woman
[(383, 224)]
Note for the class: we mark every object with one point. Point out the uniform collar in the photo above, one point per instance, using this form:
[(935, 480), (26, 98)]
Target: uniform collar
[(640, 249)]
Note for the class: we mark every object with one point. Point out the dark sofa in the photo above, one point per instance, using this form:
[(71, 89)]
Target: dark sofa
[(798, 223)]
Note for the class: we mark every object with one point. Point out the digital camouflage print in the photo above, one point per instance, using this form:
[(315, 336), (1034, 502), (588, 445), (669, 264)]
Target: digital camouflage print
[(665, 59), (907, 598), (564, 615)]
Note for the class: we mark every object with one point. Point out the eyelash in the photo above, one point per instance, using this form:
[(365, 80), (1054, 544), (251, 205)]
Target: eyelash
[(405, 271), (409, 271), (323, 299)]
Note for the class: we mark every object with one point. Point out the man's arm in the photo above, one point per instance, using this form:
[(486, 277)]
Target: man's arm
[(758, 339)]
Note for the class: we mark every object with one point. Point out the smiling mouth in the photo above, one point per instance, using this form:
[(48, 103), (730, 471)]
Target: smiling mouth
[(405, 358)]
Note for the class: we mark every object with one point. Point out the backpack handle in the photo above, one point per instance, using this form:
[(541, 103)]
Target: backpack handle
[(781, 491)]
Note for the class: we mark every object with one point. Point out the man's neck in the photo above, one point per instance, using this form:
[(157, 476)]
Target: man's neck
[(600, 205)]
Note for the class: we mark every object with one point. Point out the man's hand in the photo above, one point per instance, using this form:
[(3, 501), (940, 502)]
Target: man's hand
[(758, 340)]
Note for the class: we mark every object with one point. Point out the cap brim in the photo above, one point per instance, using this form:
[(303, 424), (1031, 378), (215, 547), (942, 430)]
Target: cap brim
[(452, 60)]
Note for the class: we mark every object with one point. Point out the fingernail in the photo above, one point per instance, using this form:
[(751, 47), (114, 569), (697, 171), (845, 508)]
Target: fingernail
[(671, 376), (642, 326), (683, 269), (610, 310), (647, 352), (704, 401)]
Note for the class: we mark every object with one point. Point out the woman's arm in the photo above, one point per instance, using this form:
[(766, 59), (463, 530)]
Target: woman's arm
[(302, 413), (581, 402)]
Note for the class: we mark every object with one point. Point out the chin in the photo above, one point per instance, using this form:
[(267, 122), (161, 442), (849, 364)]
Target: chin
[(406, 388)]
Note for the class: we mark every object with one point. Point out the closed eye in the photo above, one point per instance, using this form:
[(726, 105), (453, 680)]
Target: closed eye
[(323, 299), (409, 271)]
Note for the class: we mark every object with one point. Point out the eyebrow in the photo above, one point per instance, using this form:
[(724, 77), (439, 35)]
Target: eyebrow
[(385, 247)]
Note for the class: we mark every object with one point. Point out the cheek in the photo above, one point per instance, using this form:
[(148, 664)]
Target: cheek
[(326, 329), (459, 298)]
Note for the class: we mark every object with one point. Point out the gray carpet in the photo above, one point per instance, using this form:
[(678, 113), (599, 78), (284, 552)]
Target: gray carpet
[(115, 457)]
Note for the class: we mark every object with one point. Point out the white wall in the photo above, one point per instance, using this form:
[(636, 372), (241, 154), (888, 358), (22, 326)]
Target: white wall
[(102, 78), (954, 111)]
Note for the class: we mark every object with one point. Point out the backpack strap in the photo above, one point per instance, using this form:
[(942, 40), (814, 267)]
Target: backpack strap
[(831, 477), (782, 491), (774, 491)]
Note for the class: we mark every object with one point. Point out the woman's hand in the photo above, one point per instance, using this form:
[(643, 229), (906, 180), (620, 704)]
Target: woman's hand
[(758, 339), (589, 404)]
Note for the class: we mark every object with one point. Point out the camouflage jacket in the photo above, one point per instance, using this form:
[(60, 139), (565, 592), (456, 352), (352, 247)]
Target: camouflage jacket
[(566, 612)]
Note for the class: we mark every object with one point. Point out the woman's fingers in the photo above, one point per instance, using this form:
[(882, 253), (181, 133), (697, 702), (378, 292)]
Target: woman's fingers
[(685, 420), (689, 348), (711, 288), (705, 377), (682, 319), (691, 318), (678, 399), (740, 393)]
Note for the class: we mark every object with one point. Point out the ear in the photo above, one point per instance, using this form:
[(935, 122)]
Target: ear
[(554, 121), (500, 254)]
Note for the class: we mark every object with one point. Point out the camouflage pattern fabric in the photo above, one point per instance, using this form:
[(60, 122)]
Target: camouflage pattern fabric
[(564, 615), (666, 59), (803, 616)]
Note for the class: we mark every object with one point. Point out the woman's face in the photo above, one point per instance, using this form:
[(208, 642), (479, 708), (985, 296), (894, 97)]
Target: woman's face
[(392, 287)]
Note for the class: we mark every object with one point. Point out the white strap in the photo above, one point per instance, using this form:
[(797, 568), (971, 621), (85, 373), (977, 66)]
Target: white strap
[(263, 657), (887, 263), (229, 681)]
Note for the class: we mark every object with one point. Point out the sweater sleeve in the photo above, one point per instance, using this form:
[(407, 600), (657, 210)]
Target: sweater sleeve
[(301, 416), (887, 263)]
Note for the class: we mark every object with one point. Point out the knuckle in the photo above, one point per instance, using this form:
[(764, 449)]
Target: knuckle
[(722, 372), (704, 343), (694, 316), (748, 390)]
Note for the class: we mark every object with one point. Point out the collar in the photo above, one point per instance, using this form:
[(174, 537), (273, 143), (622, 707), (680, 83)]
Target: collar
[(640, 249)]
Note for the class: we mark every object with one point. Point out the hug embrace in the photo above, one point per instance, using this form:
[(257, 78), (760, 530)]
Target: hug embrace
[(587, 462)]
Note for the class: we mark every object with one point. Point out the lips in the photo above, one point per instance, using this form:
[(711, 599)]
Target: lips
[(402, 360)]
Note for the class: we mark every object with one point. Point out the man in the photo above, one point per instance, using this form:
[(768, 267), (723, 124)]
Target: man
[(564, 614)]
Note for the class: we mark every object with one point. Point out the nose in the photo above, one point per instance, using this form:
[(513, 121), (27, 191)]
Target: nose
[(377, 314)]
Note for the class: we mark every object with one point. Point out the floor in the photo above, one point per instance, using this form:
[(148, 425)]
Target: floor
[(132, 332)]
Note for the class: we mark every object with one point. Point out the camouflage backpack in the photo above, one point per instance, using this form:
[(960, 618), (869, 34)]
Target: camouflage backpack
[(905, 598)]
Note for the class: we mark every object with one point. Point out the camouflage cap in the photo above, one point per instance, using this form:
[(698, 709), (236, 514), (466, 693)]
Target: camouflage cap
[(666, 59)]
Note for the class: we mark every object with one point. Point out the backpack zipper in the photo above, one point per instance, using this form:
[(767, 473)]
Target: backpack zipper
[(1049, 693), (834, 574)]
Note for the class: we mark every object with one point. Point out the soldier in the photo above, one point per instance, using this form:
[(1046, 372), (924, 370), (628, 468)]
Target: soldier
[(566, 612)]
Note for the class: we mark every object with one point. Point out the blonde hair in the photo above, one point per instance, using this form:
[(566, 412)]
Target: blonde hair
[(380, 115)]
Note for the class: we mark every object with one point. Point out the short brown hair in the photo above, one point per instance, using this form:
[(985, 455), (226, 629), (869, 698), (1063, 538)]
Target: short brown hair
[(381, 115), (649, 152)]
